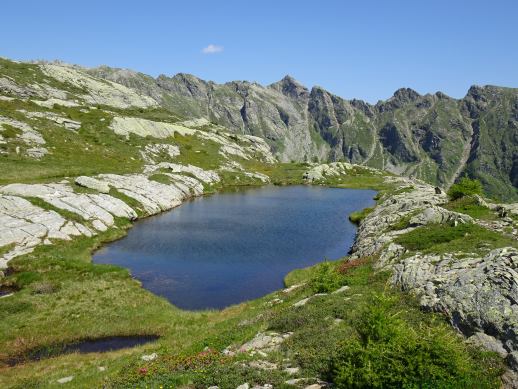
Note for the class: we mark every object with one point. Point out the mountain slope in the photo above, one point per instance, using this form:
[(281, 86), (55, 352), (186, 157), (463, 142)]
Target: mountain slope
[(432, 137)]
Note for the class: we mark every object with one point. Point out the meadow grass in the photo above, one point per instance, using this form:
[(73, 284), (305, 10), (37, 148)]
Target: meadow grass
[(440, 239)]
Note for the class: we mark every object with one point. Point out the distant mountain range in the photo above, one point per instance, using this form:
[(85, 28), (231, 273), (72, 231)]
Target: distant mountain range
[(433, 137)]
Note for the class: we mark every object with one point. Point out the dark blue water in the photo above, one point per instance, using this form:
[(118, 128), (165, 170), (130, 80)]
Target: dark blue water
[(220, 250), (100, 345)]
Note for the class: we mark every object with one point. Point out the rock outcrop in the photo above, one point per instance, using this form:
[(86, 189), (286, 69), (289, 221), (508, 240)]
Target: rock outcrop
[(478, 292), (24, 225), (24, 133)]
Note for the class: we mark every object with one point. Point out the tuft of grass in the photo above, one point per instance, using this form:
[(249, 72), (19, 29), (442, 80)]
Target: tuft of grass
[(161, 178), (49, 207), (45, 287), (358, 216)]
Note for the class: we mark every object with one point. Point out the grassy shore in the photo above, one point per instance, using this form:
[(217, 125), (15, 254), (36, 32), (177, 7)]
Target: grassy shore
[(64, 298)]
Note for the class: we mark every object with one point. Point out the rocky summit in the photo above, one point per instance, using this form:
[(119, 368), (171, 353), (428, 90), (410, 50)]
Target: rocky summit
[(428, 291)]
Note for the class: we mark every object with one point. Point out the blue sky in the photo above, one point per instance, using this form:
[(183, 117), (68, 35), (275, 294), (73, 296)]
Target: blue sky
[(361, 49)]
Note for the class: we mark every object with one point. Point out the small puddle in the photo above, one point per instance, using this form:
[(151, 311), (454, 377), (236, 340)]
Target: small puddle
[(100, 345), (6, 291)]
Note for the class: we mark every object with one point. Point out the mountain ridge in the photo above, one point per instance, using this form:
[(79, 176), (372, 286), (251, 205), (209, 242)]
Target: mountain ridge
[(433, 137), (425, 136)]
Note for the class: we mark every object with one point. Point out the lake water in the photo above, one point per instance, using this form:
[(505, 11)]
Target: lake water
[(230, 247)]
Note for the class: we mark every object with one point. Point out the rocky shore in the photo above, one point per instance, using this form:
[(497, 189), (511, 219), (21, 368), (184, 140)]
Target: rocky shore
[(477, 292)]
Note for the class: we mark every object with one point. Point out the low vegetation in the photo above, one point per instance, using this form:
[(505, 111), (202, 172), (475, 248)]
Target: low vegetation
[(390, 350), (469, 205), (440, 238), (465, 187), (358, 216), (367, 336)]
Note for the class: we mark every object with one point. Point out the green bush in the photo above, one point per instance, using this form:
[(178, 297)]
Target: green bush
[(389, 353), (465, 187), (326, 278)]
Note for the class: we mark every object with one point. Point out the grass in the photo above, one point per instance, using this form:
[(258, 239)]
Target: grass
[(403, 222), (36, 201), (161, 178), (469, 206), (199, 152), (358, 216), (320, 345), (439, 239), (5, 249), (281, 173)]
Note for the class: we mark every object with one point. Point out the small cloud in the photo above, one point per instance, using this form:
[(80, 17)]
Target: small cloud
[(212, 49)]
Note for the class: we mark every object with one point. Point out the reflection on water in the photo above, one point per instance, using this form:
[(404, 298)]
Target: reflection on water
[(220, 250)]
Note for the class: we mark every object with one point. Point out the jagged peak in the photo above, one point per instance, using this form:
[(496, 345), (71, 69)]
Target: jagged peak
[(183, 78), (287, 79), (477, 91), (120, 72), (441, 95), (406, 95), (290, 87), (317, 89)]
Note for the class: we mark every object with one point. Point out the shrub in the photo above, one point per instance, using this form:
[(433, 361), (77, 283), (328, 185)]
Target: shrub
[(390, 353), (326, 278), (465, 187), (472, 207), (26, 278)]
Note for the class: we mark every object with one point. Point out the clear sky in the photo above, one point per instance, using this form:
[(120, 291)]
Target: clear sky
[(364, 49)]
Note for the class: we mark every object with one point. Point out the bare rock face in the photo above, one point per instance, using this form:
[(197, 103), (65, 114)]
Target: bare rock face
[(154, 151), (23, 226), (98, 208), (478, 294), (322, 171), (98, 92), (262, 343), (374, 233), (154, 196), (32, 139), (92, 183)]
